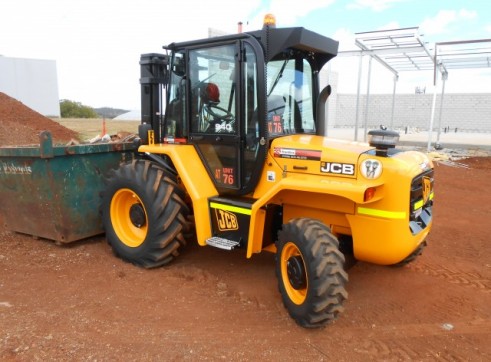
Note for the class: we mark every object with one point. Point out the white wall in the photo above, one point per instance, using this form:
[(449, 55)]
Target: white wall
[(470, 112), (33, 82)]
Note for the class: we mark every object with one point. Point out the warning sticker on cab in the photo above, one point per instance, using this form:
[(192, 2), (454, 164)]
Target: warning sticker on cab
[(297, 154)]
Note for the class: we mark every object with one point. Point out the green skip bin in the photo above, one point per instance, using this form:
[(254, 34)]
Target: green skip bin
[(54, 192)]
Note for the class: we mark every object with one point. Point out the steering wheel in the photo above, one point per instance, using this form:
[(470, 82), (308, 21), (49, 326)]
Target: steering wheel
[(218, 112)]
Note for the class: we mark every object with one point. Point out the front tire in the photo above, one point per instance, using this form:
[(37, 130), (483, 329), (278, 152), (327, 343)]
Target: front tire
[(310, 272), (144, 215)]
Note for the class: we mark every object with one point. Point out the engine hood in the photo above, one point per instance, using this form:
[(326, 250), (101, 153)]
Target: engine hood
[(317, 155)]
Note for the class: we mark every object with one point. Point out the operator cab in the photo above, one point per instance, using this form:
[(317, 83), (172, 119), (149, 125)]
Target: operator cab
[(230, 95)]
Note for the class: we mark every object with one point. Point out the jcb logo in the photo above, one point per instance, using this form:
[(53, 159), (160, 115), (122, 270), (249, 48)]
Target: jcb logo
[(226, 220), (338, 168)]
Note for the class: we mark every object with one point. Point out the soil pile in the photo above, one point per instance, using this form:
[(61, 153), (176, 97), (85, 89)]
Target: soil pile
[(20, 125)]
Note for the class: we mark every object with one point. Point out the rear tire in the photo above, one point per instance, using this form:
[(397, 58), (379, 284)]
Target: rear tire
[(144, 215), (310, 271)]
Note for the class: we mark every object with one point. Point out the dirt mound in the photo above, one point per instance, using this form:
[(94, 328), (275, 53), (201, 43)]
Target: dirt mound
[(20, 125)]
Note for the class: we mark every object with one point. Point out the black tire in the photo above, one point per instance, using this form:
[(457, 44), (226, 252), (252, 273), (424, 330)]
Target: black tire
[(411, 257), (144, 215), (310, 271), (346, 247)]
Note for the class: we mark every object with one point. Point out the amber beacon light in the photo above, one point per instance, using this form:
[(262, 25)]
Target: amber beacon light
[(269, 20)]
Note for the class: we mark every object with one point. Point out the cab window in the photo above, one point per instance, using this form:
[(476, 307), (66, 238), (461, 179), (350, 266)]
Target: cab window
[(290, 102), (212, 90), (175, 112)]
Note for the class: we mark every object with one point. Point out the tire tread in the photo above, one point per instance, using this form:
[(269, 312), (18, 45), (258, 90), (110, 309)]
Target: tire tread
[(167, 213), (325, 269)]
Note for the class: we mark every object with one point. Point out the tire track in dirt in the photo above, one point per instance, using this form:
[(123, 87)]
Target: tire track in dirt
[(468, 279), (395, 342), (379, 350), (217, 287), (403, 342), (451, 308)]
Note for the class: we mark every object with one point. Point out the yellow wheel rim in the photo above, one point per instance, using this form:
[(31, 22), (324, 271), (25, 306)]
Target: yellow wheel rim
[(296, 295), (130, 234)]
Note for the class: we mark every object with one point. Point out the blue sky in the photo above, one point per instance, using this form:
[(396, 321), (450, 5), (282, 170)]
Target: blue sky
[(97, 43)]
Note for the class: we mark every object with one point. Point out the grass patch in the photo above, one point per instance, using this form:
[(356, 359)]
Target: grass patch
[(88, 128)]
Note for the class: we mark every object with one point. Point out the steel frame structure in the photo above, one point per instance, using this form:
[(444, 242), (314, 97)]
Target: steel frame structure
[(403, 49)]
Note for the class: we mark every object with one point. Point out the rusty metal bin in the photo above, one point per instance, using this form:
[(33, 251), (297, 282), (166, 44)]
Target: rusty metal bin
[(53, 192)]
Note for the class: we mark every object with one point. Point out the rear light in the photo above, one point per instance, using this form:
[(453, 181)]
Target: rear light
[(421, 201), (369, 194)]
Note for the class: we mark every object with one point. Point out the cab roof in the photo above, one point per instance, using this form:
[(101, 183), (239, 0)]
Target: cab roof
[(275, 41)]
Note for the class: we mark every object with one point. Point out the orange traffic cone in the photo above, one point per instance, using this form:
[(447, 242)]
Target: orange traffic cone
[(103, 127)]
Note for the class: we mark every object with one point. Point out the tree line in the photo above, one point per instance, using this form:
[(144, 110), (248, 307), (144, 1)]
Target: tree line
[(71, 109)]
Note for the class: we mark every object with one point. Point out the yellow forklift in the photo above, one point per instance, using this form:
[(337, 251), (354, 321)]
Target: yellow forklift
[(232, 148)]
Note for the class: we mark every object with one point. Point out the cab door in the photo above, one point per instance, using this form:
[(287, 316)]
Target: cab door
[(225, 113)]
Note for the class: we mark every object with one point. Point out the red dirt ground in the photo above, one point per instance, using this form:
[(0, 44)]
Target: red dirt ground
[(79, 302)]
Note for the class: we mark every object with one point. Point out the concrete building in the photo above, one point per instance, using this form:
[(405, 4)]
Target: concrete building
[(33, 82)]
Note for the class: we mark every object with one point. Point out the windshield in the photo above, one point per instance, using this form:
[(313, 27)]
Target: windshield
[(290, 104)]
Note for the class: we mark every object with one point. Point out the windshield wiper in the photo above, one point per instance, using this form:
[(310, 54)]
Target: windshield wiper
[(278, 76)]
